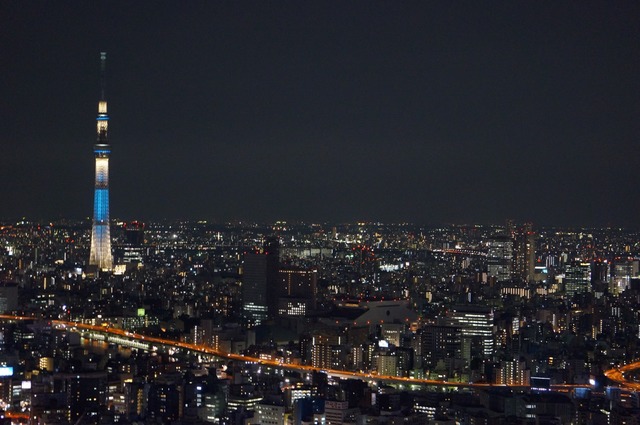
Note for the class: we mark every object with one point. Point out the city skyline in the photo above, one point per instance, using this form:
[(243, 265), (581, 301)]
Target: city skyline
[(366, 322), (329, 112)]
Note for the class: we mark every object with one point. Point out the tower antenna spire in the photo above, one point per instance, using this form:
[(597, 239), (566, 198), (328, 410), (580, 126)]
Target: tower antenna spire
[(103, 78)]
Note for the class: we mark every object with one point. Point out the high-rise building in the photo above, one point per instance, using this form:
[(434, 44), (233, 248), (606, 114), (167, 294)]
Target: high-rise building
[(296, 291), (254, 287), (133, 247), (577, 278), (512, 372), (338, 413), (259, 276), (133, 233), (272, 252), (440, 342), (270, 413), (322, 349), (524, 251), (392, 332), (599, 271), (100, 254), (387, 363), (623, 271), (8, 297), (166, 399), (500, 258), (476, 324), (86, 394)]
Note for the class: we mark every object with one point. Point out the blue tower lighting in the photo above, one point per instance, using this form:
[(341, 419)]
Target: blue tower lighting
[(100, 254)]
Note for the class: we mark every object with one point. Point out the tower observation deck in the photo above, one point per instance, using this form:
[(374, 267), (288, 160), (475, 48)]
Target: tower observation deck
[(100, 255)]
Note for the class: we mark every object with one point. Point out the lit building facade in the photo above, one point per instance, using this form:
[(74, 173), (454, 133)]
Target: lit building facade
[(512, 372), (296, 291), (440, 342), (387, 363), (133, 250), (86, 394), (524, 251), (623, 272), (254, 287), (392, 332), (500, 258), (166, 399), (476, 324), (270, 414), (100, 254), (577, 278)]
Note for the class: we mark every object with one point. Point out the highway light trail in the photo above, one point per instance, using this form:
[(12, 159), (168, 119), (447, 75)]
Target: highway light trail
[(368, 376)]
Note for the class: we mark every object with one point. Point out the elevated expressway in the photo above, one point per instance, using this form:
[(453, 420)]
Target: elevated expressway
[(619, 376), (150, 343)]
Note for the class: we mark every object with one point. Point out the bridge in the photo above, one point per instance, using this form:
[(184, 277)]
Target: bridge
[(461, 251), (151, 343)]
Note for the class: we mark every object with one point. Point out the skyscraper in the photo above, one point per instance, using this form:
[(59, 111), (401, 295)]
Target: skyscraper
[(254, 287), (100, 255), (500, 258), (524, 253), (259, 280), (577, 278), (476, 324), (296, 291)]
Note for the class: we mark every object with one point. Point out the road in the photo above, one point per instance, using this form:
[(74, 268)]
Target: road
[(617, 375), (286, 366)]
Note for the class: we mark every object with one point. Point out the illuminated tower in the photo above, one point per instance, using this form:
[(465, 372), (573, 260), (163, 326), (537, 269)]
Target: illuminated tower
[(100, 236)]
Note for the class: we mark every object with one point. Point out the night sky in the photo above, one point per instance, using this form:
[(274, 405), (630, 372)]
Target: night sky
[(429, 112)]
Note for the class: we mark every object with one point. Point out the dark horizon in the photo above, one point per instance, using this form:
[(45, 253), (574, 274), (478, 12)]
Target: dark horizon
[(326, 112), (537, 227)]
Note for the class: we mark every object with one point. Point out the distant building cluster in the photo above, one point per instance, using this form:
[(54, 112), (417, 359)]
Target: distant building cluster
[(537, 316)]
